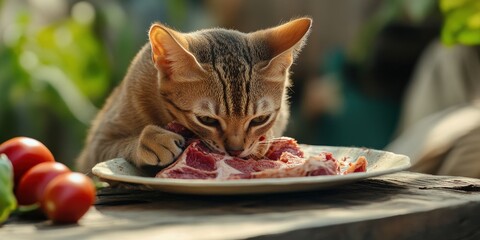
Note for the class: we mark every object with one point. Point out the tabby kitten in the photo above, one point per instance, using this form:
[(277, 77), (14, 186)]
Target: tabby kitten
[(228, 87)]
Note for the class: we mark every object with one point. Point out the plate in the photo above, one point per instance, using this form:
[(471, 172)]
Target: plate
[(119, 171)]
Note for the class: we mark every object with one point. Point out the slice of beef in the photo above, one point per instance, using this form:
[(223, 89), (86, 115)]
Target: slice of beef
[(284, 158), (281, 145), (198, 163), (322, 164), (359, 166)]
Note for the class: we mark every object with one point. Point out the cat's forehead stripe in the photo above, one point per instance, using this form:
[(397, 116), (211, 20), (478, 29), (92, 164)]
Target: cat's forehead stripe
[(232, 59), (248, 56), (219, 75), (231, 63), (232, 56)]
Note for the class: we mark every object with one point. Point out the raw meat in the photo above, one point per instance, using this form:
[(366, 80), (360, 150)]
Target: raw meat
[(283, 159)]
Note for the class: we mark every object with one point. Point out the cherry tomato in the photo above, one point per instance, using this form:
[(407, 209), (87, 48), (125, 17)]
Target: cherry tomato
[(68, 197), (32, 185), (24, 153)]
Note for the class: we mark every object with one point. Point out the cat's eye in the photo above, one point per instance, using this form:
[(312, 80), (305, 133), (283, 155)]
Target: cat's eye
[(259, 120), (208, 121)]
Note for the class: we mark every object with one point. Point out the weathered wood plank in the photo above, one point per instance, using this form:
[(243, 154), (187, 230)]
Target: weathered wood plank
[(402, 206)]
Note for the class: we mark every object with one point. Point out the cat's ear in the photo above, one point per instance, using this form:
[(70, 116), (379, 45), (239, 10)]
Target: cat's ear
[(285, 42), (170, 54)]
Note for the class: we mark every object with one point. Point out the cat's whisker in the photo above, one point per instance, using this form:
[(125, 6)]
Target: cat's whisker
[(269, 141), (208, 144)]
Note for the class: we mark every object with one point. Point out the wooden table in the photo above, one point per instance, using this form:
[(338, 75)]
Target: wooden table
[(405, 205)]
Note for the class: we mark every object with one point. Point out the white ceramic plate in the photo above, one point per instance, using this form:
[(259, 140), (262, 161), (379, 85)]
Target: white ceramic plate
[(379, 163)]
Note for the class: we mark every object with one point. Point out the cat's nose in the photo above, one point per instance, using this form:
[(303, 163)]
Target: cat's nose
[(235, 153)]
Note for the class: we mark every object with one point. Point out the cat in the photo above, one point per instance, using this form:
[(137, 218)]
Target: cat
[(227, 87)]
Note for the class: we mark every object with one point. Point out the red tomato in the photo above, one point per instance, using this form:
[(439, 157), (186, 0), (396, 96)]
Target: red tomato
[(24, 153), (68, 197), (32, 185)]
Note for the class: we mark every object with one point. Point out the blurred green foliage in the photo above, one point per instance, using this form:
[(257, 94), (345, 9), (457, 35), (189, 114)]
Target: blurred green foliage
[(49, 79), (56, 71), (462, 22)]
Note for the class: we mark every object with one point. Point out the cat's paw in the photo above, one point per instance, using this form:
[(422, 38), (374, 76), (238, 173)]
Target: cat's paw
[(158, 147)]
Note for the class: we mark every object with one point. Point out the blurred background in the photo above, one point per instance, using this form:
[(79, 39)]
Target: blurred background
[(384, 74)]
